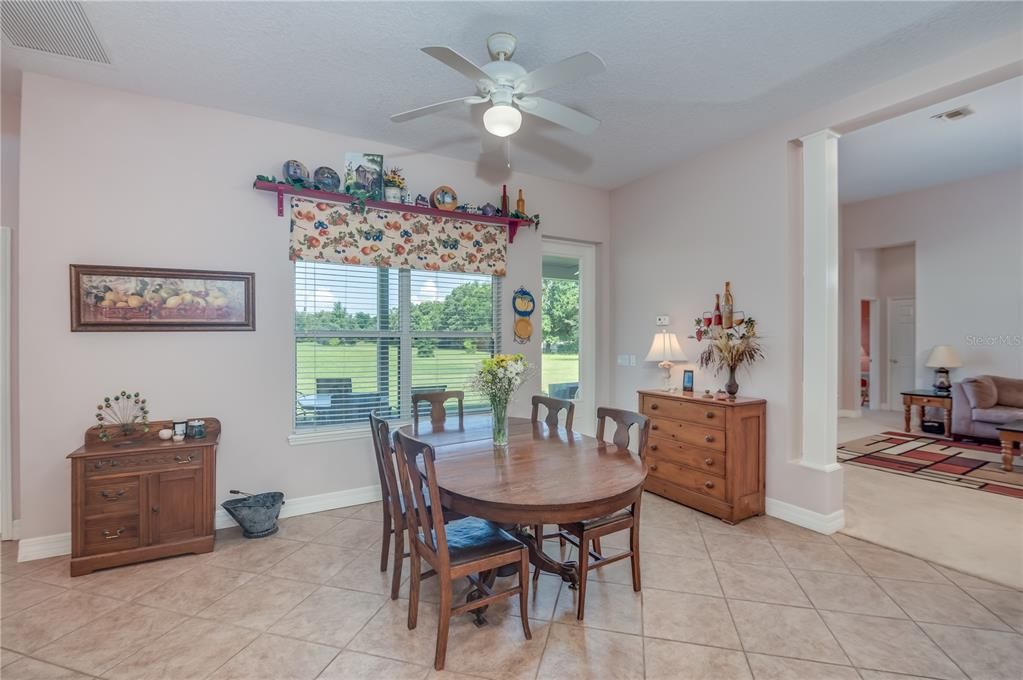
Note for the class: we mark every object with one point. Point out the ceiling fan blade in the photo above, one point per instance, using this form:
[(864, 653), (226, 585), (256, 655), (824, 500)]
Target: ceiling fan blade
[(456, 61), (433, 108), (582, 65), (576, 121)]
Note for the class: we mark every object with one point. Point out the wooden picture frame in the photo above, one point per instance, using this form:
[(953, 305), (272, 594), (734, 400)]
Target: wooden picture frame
[(111, 298)]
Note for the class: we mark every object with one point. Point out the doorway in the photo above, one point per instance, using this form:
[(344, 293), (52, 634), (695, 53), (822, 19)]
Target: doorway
[(901, 348), (567, 369), (870, 351)]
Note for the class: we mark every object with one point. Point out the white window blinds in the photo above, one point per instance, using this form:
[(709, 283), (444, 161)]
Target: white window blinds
[(366, 339)]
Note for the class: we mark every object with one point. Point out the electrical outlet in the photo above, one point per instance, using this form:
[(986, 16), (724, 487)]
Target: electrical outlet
[(663, 320)]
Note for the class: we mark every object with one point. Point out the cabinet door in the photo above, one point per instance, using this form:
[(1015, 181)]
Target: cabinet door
[(175, 499)]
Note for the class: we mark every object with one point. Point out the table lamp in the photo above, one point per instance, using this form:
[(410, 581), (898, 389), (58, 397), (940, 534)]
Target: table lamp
[(943, 357), (664, 349)]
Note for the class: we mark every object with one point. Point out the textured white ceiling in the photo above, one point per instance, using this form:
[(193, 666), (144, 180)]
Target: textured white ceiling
[(914, 151), (682, 77)]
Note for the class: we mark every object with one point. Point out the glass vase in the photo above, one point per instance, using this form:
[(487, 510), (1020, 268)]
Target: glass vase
[(500, 421)]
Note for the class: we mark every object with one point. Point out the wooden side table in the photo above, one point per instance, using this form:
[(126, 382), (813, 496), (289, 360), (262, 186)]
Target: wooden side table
[(1011, 437), (923, 399)]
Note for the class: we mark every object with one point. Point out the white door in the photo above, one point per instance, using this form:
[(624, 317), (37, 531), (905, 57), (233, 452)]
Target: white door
[(901, 349), (567, 300)]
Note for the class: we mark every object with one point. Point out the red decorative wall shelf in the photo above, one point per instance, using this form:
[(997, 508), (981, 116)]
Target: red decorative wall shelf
[(283, 190)]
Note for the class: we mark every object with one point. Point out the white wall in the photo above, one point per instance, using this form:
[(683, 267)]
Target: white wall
[(734, 213), (133, 180), (968, 236)]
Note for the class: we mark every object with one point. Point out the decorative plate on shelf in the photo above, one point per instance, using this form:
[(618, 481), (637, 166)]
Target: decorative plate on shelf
[(444, 198), (327, 179), (295, 170), (523, 330)]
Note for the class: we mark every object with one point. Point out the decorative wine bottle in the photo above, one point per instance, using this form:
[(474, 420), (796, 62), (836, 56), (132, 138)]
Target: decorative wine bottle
[(715, 324), (520, 205), (729, 306), (504, 200)]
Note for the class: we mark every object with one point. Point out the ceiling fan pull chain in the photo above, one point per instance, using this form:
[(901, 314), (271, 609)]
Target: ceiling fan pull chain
[(507, 151)]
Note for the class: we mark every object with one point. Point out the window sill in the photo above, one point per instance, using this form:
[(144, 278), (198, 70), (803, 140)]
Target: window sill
[(337, 435)]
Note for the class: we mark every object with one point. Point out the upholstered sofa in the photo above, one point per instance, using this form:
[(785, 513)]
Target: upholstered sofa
[(981, 404)]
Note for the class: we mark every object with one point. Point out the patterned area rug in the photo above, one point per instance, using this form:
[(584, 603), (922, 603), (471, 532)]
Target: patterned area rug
[(975, 466)]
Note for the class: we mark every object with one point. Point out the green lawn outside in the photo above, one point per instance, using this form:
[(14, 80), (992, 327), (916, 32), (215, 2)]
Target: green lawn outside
[(450, 367)]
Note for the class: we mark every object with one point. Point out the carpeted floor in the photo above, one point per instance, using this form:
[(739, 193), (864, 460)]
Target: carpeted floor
[(974, 466)]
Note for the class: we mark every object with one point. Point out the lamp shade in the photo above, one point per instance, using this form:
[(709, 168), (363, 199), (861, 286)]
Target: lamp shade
[(665, 347), (944, 356)]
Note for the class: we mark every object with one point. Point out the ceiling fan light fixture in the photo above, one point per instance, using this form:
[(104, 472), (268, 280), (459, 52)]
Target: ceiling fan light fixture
[(502, 120)]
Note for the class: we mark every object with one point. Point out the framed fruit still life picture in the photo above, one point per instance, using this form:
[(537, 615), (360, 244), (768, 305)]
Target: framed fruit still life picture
[(108, 298)]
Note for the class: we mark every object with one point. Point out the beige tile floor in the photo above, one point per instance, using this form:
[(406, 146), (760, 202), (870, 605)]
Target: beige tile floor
[(764, 599)]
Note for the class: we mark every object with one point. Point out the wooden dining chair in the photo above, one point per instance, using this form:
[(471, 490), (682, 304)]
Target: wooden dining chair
[(554, 408), (589, 532), (438, 414), (394, 523), (467, 547)]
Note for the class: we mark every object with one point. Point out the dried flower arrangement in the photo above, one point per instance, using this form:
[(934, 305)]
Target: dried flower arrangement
[(732, 348)]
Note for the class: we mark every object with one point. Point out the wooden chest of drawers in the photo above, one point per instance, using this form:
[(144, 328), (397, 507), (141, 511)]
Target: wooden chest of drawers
[(140, 498), (706, 454)]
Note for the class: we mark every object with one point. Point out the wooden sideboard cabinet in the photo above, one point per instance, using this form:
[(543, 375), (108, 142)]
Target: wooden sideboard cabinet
[(706, 454), (137, 497)]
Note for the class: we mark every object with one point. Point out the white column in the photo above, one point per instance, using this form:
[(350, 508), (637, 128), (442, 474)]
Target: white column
[(820, 300)]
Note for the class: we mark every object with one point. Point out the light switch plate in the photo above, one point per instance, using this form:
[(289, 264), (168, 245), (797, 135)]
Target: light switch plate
[(663, 320)]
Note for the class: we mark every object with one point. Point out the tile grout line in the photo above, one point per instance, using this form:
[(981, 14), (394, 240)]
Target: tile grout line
[(908, 617), (728, 606)]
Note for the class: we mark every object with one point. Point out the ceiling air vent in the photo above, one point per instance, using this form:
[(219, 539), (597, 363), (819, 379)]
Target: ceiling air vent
[(53, 26), (954, 114)]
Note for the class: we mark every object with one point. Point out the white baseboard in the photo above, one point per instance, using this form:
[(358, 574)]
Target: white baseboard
[(60, 544), (44, 546), (849, 413), (822, 524)]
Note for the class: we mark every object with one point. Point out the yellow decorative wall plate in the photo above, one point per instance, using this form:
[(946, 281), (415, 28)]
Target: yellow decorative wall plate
[(523, 330)]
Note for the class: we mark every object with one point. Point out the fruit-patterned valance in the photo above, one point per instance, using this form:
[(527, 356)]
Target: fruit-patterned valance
[(323, 231)]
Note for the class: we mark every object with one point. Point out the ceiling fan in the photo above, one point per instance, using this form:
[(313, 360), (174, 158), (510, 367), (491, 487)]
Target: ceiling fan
[(508, 88)]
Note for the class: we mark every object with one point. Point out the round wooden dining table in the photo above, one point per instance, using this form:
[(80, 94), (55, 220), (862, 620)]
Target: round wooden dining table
[(542, 476)]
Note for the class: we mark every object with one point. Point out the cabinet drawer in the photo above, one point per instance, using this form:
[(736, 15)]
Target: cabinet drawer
[(700, 482), (115, 464), (705, 414), (108, 533), (690, 433), (704, 460), (939, 402), (115, 495)]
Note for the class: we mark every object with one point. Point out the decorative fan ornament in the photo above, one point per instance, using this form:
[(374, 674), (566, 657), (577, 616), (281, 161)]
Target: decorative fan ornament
[(509, 88), (127, 411)]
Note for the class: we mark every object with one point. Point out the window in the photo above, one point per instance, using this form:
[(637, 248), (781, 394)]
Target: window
[(366, 339)]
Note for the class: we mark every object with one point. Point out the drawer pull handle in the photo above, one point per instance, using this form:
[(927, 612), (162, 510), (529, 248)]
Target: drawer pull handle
[(112, 495), (708, 415), (708, 462), (709, 484), (181, 459), (708, 438), (100, 464), (653, 466), (110, 535), (653, 447), (654, 426), (653, 407)]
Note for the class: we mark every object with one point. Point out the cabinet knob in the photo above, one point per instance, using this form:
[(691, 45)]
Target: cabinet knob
[(654, 426), (653, 407), (708, 415), (709, 484), (156, 508), (653, 466), (708, 462), (708, 438), (653, 447)]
